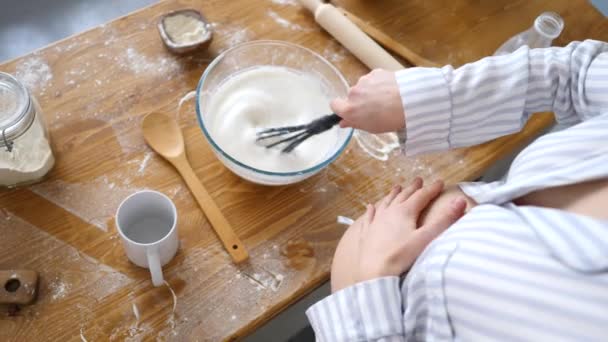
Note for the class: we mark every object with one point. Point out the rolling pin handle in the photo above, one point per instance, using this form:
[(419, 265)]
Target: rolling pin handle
[(311, 5)]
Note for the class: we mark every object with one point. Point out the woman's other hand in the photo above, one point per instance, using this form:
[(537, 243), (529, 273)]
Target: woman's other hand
[(388, 238)]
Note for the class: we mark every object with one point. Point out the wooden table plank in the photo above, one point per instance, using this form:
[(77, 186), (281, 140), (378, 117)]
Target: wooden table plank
[(105, 80)]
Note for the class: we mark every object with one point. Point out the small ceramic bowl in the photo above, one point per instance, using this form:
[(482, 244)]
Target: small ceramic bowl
[(173, 46)]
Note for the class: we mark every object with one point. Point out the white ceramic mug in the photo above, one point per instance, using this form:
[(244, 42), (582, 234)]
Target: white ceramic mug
[(147, 224)]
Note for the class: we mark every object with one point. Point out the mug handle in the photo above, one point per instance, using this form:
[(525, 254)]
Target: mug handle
[(155, 269)]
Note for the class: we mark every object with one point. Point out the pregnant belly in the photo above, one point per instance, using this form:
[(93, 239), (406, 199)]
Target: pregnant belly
[(588, 198)]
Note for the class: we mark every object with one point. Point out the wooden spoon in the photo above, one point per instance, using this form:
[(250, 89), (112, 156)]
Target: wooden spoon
[(164, 136)]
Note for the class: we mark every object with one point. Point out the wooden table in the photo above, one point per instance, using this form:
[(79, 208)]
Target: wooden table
[(99, 85)]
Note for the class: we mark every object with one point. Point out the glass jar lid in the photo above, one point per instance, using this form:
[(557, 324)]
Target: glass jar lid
[(16, 115)]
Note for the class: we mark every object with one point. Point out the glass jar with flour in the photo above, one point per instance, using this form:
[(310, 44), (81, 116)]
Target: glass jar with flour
[(25, 150)]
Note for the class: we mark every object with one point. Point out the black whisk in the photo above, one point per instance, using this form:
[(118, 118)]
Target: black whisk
[(297, 134)]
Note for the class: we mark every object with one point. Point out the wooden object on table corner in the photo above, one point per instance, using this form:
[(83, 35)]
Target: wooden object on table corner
[(351, 36), (18, 286), (460, 32), (388, 42), (164, 136)]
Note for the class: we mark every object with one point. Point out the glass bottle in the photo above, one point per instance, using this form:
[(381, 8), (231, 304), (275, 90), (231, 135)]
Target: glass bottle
[(25, 149), (547, 26)]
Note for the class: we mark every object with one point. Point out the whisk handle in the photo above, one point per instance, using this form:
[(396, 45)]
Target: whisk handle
[(324, 123)]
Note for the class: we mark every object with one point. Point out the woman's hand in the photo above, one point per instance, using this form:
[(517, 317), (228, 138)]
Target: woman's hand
[(373, 104), (388, 238)]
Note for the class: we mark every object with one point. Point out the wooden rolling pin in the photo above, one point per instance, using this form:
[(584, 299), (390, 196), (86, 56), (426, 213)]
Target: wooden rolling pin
[(350, 36), (388, 42)]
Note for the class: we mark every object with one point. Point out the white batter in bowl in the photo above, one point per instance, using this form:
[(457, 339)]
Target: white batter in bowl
[(266, 84)]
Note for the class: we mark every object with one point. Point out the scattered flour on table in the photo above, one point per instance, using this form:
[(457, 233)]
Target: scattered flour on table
[(126, 130), (34, 72), (378, 146), (111, 35), (135, 333), (240, 299), (231, 35), (71, 44), (144, 162), (141, 64), (59, 289), (286, 23), (177, 193), (334, 52), (95, 202), (65, 271), (126, 127), (264, 278)]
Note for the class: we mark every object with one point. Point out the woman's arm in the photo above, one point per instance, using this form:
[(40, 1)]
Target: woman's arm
[(367, 311), (446, 108)]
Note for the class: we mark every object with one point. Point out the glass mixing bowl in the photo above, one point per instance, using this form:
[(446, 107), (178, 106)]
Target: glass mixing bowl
[(277, 53)]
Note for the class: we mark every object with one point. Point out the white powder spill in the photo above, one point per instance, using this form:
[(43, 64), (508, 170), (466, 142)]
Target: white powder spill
[(169, 335), (78, 74), (126, 127), (126, 131), (286, 23), (231, 35), (244, 293), (286, 2), (378, 146), (76, 42), (34, 72), (111, 35), (140, 64), (135, 333), (178, 193), (265, 279), (144, 162), (334, 57), (59, 289), (94, 202), (334, 52)]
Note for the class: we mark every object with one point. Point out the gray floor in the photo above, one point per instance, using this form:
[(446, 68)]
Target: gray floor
[(27, 25)]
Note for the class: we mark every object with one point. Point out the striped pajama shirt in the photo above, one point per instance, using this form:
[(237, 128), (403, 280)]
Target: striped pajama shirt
[(502, 272)]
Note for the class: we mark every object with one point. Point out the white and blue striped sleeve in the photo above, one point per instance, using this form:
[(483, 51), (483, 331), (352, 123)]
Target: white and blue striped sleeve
[(448, 108), (367, 311)]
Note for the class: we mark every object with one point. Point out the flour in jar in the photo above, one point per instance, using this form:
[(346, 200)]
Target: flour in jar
[(264, 97)]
